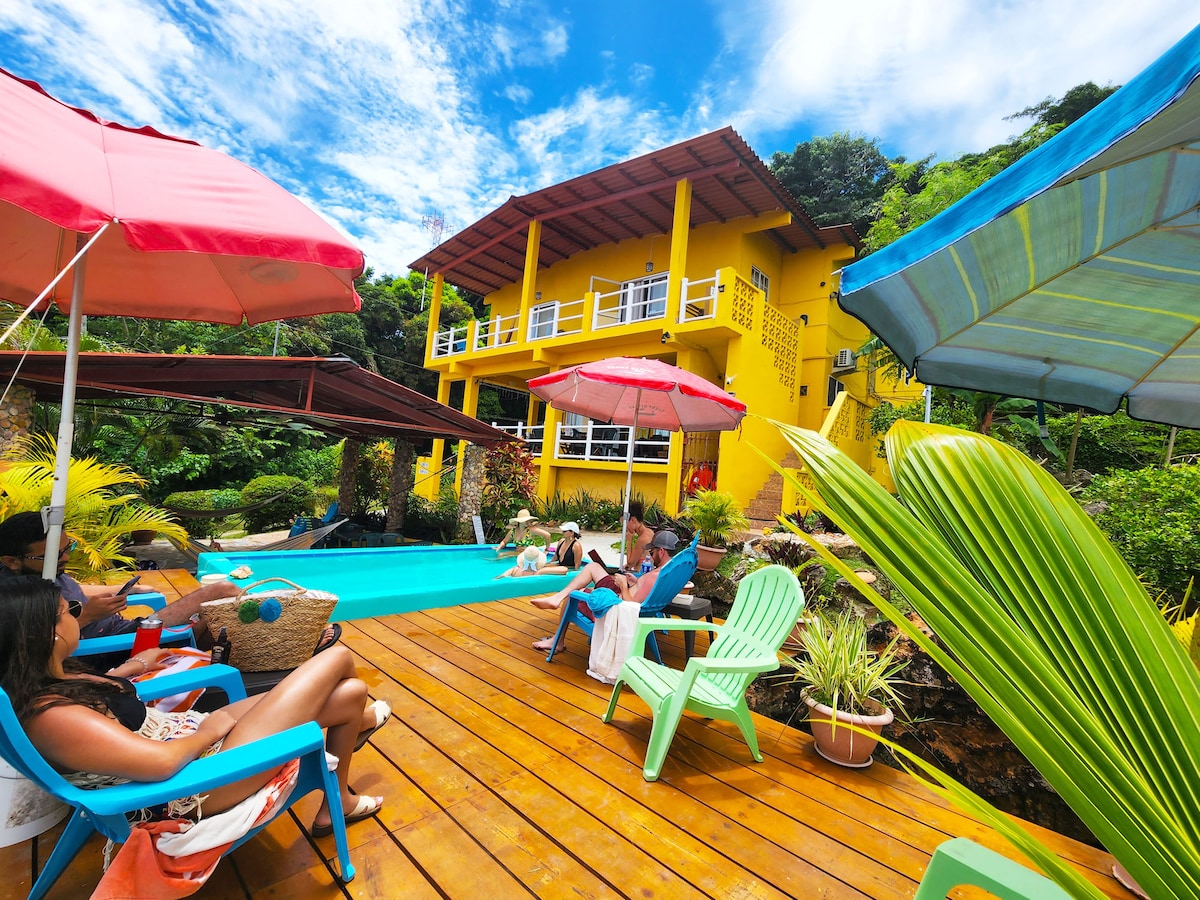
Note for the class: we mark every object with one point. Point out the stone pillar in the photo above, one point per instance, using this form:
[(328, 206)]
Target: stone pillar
[(400, 486), (348, 476), (470, 501), (16, 415)]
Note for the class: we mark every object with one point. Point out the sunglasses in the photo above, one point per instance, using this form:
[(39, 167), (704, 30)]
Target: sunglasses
[(75, 607), (65, 551)]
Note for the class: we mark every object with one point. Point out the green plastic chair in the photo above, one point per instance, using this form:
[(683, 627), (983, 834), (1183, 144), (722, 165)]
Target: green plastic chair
[(962, 861), (767, 605)]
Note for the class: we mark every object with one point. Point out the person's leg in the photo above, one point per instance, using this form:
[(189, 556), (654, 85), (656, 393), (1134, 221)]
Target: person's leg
[(324, 689), (589, 574)]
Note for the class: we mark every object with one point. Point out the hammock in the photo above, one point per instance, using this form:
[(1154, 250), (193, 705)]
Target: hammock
[(229, 511), (192, 549)]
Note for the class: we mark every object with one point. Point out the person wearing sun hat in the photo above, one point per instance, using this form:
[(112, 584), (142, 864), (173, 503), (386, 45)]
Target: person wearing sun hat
[(532, 561), (521, 529)]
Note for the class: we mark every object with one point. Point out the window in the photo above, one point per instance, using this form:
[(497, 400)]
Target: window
[(760, 281), (645, 298), (835, 388), (543, 320)]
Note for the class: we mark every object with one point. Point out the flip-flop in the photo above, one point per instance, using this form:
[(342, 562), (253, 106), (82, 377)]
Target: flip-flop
[(363, 809), (330, 635), (383, 712)]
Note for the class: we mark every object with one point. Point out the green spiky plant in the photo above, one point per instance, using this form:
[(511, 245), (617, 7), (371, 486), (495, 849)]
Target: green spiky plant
[(100, 511), (715, 515), (1047, 628)]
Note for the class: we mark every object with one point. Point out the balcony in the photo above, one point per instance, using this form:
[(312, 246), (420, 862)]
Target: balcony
[(724, 299), (597, 443)]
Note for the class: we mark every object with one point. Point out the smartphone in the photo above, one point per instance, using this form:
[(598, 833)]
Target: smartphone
[(127, 585)]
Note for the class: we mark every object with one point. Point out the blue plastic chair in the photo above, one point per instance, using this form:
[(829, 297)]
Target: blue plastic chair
[(104, 809), (671, 579), (114, 643)]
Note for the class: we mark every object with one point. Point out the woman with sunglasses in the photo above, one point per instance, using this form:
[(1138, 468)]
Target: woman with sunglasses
[(94, 729)]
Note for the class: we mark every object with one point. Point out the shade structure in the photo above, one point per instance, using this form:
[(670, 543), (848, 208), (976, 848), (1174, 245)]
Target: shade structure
[(1073, 276), (641, 393), (108, 220), (653, 393)]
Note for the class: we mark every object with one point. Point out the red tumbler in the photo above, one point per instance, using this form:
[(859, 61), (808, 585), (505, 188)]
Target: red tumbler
[(149, 632)]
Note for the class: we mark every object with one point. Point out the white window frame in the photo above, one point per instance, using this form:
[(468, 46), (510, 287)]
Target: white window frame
[(539, 327), (760, 281), (645, 298)]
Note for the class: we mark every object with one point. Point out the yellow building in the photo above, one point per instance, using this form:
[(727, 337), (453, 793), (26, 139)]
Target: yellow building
[(694, 254)]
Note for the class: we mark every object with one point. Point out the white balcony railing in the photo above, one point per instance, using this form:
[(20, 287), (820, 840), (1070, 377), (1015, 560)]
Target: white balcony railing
[(596, 443), (699, 299)]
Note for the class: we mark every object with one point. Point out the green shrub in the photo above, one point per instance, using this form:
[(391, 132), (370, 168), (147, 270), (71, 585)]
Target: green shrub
[(223, 498), (1153, 517), (436, 522), (297, 500)]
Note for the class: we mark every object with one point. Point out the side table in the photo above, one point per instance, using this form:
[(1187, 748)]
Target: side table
[(689, 606)]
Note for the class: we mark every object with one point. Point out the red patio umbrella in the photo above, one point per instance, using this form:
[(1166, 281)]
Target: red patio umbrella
[(647, 393), (168, 230)]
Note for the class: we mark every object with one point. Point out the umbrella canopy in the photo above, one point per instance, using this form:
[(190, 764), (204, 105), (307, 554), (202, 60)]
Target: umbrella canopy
[(1073, 275), (648, 392), (158, 226), (194, 234), (645, 393)]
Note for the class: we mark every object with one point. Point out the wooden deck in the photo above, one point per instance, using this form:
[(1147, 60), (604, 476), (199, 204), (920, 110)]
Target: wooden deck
[(501, 781)]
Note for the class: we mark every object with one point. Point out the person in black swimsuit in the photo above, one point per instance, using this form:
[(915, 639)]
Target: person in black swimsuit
[(569, 551)]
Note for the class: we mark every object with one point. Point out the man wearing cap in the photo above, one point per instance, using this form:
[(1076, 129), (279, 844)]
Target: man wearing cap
[(625, 585)]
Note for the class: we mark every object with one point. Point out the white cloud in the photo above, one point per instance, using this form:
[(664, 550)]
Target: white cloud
[(518, 93), (932, 77)]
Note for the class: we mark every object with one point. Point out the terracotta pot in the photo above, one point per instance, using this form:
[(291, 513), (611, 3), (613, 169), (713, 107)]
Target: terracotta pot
[(841, 745), (708, 558), (794, 642), (143, 536)]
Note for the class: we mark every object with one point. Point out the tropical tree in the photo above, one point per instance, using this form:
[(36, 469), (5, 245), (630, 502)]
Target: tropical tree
[(1046, 627), (101, 510), (837, 179)]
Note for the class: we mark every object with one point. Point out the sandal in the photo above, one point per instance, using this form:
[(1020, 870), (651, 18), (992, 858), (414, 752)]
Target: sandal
[(330, 635), (363, 809), (383, 712)]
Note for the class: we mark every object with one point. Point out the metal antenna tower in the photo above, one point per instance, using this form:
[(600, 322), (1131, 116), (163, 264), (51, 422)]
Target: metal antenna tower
[(435, 225)]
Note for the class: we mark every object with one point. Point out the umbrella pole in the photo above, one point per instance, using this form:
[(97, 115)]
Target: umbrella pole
[(53, 515), (629, 476)]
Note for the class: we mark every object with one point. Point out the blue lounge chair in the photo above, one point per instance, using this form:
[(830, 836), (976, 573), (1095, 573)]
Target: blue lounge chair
[(177, 635), (671, 580), (104, 809)]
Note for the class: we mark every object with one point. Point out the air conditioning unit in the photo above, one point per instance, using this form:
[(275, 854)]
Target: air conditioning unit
[(844, 359)]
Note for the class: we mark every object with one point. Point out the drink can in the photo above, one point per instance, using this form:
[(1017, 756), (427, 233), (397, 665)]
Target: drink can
[(149, 632)]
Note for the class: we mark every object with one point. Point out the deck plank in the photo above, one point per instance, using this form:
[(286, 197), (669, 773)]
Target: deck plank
[(502, 781)]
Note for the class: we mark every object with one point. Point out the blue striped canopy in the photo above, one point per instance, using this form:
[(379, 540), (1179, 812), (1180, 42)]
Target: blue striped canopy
[(1073, 276)]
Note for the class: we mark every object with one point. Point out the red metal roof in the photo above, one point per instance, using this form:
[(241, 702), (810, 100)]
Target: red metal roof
[(631, 199), (334, 395)]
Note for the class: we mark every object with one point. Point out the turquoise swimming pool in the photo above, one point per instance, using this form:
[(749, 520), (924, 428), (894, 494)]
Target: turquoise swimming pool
[(379, 582)]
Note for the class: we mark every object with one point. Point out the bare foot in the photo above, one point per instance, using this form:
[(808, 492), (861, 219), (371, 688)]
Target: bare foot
[(554, 601), (544, 644)]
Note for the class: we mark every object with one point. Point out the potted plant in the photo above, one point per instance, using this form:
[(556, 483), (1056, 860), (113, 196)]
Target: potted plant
[(847, 683), (716, 516)]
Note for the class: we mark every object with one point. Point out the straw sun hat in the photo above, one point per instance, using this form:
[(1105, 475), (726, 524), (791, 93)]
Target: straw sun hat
[(522, 518)]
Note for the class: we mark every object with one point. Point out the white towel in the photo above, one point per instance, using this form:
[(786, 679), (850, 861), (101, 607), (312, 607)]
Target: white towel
[(612, 639)]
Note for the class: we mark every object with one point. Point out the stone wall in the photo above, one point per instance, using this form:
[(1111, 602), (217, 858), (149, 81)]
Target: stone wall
[(16, 415)]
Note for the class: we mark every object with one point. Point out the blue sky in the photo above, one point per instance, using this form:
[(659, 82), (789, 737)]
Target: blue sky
[(380, 113)]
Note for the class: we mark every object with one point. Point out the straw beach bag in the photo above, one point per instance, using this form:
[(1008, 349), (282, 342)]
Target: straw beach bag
[(273, 629)]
